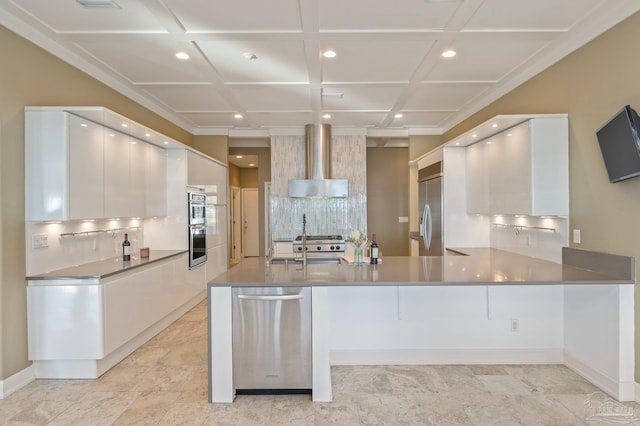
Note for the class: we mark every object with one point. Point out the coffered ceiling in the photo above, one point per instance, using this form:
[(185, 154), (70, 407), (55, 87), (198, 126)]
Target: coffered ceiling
[(263, 59)]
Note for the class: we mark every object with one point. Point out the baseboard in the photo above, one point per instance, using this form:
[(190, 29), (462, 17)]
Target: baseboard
[(622, 391), (446, 356), (637, 392), (16, 382)]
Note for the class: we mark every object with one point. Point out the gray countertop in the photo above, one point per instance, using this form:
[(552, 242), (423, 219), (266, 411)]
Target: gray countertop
[(481, 266), (106, 267)]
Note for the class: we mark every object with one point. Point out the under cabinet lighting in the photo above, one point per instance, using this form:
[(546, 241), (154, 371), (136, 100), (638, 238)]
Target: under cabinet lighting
[(182, 56)]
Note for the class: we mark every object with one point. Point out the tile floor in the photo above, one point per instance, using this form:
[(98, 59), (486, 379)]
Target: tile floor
[(165, 383)]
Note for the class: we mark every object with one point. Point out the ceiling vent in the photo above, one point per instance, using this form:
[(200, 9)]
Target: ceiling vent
[(99, 4)]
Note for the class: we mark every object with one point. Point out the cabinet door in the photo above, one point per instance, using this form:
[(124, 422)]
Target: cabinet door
[(116, 175), (137, 178), (200, 170), (477, 178), (156, 182), (85, 169), (217, 189), (510, 171)]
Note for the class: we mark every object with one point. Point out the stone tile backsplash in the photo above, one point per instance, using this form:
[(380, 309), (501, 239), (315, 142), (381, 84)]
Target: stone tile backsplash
[(324, 216)]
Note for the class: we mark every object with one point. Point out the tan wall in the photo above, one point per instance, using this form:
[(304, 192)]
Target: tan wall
[(249, 178), (214, 146), (34, 77), (234, 175), (419, 145), (388, 199), (264, 175), (591, 85)]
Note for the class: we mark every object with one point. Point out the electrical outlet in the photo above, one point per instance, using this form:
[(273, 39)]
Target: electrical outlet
[(39, 241), (515, 325), (576, 236)]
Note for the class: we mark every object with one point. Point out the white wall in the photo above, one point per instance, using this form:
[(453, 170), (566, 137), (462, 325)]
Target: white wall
[(71, 250)]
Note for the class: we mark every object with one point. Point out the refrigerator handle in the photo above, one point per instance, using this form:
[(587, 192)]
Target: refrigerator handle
[(423, 221), (426, 236)]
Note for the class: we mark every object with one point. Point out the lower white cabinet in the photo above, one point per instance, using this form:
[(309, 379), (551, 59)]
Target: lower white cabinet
[(80, 328)]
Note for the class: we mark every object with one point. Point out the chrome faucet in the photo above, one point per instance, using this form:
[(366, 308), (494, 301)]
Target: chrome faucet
[(304, 240)]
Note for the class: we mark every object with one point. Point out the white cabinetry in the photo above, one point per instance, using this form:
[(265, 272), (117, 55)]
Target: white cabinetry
[(78, 169), (79, 328), (86, 192), (156, 181), (522, 170), (63, 167), (477, 178)]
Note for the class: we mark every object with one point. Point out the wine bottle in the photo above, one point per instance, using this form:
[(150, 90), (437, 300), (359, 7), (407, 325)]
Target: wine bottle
[(126, 248), (374, 250)]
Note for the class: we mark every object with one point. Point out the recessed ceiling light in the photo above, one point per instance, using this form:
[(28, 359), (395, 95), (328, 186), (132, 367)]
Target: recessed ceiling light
[(251, 164), (182, 55), (474, 135), (84, 125), (398, 115), (326, 116), (250, 56), (237, 116), (125, 125), (238, 156), (494, 125), (329, 54), (457, 143), (133, 142), (148, 135), (166, 143), (449, 53)]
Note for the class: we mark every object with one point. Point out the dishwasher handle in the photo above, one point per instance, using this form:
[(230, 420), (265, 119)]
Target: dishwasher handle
[(270, 298)]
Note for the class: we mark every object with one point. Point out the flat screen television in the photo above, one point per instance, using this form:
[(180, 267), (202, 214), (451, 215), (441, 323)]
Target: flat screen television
[(620, 145)]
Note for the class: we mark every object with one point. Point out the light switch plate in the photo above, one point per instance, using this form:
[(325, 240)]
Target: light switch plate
[(39, 241), (403, 219), (576, 236)]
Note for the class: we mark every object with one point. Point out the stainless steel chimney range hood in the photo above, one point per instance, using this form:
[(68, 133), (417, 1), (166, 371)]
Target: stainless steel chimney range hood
[(318, 182)]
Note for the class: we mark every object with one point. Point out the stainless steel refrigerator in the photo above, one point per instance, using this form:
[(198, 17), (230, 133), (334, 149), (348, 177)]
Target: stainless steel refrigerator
[(430, 213)]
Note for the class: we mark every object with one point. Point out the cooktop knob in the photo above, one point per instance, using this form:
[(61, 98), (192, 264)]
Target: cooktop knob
[(318, 248)]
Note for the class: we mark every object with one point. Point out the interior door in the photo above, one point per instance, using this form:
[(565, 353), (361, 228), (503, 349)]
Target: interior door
[(250, 231), (236, 224)]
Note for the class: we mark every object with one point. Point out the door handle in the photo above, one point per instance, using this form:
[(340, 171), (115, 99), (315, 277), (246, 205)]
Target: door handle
[(269, 298)]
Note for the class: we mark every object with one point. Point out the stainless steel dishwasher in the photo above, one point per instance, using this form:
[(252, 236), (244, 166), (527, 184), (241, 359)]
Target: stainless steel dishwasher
[(272, 340)]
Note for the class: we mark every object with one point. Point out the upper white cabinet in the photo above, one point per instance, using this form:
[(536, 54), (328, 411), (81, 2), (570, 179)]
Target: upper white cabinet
[(208, 174), (156, 181), (477, 177), (64, 167), (78, 169), (522, 170)]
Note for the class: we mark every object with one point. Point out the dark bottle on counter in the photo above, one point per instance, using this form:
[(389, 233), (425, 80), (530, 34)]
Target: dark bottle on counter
[(374, 250), (126, 248)]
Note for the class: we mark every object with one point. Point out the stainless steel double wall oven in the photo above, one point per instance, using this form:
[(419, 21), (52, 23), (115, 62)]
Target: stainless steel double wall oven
[(197, 205)]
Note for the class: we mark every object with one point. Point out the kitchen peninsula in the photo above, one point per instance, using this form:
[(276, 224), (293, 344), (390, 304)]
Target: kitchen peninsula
[(482, 306)]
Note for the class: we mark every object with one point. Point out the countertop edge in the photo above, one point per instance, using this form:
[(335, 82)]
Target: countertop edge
[(156, 256)]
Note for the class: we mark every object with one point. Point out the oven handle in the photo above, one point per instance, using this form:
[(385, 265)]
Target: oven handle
[(277, 297)]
